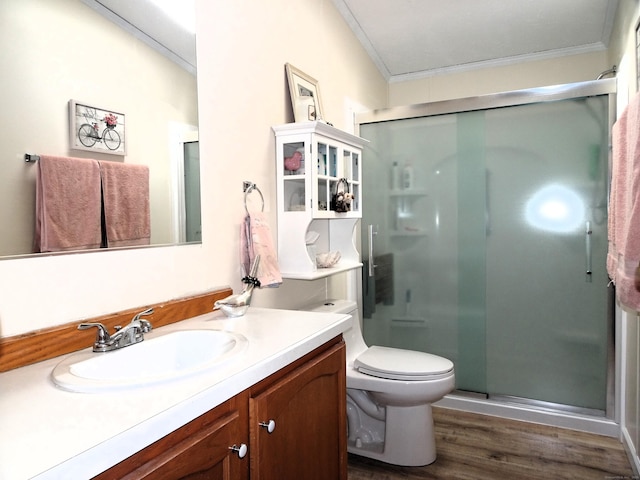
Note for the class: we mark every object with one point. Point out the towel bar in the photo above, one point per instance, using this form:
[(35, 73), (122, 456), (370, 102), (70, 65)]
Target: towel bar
[(30, 158), (247, 188)]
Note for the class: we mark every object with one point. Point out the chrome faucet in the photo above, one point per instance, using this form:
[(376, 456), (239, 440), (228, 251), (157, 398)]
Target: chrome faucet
[(123, 337)]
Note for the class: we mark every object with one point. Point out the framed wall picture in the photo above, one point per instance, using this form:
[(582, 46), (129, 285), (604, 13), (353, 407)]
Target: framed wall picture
[(96, 129), (305, 95)]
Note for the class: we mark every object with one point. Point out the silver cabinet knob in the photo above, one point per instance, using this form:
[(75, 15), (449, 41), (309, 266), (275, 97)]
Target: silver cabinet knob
[(270, 425), (240, 450)]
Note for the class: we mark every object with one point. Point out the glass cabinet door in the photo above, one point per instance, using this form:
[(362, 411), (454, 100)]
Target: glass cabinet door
[(293, 169), (338, 169)]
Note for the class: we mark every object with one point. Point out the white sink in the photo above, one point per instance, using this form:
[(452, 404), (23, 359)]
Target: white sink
[(170, 356)]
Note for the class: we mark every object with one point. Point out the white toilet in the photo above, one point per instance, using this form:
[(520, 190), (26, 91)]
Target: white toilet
[(389, 396)]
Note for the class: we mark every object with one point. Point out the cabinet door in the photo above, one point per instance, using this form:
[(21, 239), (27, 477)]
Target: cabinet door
[(199, 450), (294, 165), (309, 411)]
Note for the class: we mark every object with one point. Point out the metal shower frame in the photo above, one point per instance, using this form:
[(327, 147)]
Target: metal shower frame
[(516, 98)]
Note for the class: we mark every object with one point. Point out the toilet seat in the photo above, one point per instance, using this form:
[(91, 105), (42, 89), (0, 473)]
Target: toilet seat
[(396, 364)]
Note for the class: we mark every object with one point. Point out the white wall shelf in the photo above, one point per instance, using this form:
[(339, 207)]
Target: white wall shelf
[(342, 266), (408, 233)]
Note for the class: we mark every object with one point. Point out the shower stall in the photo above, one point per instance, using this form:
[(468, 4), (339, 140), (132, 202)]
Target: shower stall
[(484, 237)]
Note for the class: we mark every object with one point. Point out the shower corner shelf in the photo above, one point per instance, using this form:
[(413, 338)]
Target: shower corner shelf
[(322, 156), (408, 233), (408, 193)]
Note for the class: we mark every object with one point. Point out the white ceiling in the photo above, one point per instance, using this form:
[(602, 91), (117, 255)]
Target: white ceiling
[(416, 38)]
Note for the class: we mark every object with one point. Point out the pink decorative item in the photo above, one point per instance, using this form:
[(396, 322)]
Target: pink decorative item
[(293, 162), (111, 120)]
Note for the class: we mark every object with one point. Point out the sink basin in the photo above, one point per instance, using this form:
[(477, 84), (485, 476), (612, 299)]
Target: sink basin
[(170, 356)]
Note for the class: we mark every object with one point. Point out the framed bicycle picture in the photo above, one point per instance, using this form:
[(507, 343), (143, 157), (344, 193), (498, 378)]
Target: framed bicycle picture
[(96, 129)]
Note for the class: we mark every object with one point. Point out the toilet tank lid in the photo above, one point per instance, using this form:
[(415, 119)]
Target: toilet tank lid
[(332, 306)]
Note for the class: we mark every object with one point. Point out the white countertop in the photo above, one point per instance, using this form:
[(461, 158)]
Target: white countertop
[(48, 433)]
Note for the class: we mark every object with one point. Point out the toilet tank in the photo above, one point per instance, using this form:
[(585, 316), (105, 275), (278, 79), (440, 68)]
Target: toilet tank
[(333, 306), (352, 336)]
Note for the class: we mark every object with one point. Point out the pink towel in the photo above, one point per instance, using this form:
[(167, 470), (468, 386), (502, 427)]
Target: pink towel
[(255, 239), (623, 256), (67, 204), (125, 193)]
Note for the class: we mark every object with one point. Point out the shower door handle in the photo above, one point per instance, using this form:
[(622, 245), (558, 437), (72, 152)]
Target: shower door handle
[(588, 233), (372, 266)]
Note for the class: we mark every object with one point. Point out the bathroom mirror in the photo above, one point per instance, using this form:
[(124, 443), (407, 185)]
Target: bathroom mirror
[(74, 50)]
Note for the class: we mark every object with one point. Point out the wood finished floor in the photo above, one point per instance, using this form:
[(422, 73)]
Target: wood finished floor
[(481, 447)]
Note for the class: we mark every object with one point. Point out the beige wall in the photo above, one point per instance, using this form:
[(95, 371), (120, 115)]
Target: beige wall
[(242, 48), (622, 46), (250, 94), (576, 68)]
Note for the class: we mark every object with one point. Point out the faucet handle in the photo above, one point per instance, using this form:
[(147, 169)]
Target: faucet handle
[(102, 335), (145, 325)]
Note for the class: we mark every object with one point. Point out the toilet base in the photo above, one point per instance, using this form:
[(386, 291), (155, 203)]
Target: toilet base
[(409, 438), (389, 420)]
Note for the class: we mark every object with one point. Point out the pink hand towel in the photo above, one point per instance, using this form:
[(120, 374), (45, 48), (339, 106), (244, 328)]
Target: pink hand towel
[(67, 204), (125, 192), (255, 239), (623, 256)]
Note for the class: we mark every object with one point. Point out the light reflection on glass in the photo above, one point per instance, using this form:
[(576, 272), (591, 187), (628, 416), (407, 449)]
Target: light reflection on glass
[(555, 208), (184, 12)]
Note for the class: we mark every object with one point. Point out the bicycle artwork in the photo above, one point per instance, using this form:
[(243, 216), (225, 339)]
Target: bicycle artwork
[(96, 129)]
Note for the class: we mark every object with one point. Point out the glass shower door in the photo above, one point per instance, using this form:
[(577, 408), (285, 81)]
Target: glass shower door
[(497, 251), (547, 295)]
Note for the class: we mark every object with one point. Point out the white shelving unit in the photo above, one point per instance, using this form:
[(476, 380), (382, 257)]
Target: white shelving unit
[(326, 156)]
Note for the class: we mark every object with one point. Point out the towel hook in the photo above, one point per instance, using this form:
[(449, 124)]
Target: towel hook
[(247, 188)]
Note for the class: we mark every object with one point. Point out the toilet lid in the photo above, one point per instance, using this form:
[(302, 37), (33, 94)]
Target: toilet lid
[(397, 364)]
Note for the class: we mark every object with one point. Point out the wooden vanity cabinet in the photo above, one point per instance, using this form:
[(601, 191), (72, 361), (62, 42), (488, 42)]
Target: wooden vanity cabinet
[(307, 402), (198, 450), (308, 407)]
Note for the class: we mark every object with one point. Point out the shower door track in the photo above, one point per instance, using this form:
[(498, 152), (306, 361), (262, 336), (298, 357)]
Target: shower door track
[(547, 414), (540, 405), (548, 406)]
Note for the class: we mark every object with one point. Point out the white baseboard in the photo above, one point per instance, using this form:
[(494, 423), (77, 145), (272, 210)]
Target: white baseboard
[(631, 451)]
